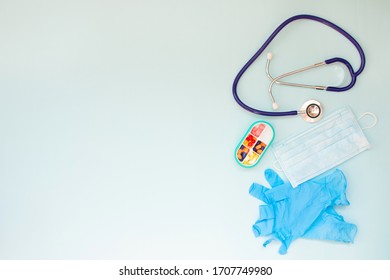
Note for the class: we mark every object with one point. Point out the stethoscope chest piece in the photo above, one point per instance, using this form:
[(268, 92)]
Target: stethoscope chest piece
[(311, 111)]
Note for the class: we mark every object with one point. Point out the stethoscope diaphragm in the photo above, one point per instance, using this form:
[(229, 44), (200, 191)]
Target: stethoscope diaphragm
[(311, 111)]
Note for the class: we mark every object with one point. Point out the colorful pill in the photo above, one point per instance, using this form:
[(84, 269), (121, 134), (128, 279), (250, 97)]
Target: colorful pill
[(258, 129)]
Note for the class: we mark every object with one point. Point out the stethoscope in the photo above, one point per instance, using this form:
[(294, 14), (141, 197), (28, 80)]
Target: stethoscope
[(311, 110)]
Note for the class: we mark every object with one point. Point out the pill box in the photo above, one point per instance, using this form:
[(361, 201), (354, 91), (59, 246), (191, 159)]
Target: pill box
[(254, 144)]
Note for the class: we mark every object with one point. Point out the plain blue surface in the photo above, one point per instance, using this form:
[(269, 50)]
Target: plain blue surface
[(118, 125)]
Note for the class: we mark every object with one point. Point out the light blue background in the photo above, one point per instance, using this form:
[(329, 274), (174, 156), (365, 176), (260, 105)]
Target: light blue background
[(118, 125)]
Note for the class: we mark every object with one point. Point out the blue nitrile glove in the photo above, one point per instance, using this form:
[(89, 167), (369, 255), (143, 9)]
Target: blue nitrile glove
[(331, 226), (304, 211)]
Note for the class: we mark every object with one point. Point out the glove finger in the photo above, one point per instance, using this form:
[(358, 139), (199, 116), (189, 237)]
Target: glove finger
[(267, 195), (331, 226), (273, 178), (277, 194), (265, 224), (259, 191), (266, 212), (263, 227)]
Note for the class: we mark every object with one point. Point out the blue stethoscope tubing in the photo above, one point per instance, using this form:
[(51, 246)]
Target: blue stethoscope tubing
[(353, 73)]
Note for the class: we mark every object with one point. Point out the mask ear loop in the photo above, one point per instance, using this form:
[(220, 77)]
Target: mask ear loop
[(277, 166), (375, 120)]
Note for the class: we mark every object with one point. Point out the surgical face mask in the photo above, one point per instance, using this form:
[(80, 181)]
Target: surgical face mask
[(331, 142)]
